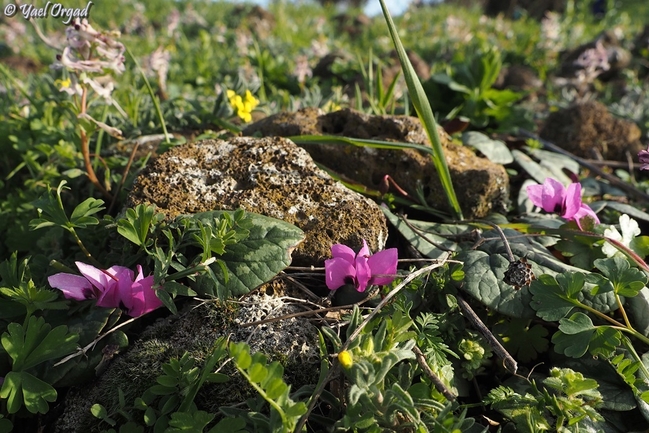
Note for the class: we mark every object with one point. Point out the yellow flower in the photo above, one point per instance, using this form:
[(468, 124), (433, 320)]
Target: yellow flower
[(345, 359), (62, 84), (243, 106)]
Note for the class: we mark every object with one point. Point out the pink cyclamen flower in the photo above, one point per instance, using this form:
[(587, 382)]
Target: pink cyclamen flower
[(643, 156), (114, 287), (360, 269), (552, 196)]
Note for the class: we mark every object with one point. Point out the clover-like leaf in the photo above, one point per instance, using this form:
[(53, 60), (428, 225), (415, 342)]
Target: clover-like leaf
[(522, 341), (23, 388), (626, 281), (137, 223), (577, 335), (574, 336), (36, 343)]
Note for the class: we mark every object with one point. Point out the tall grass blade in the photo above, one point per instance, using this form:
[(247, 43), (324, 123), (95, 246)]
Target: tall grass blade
[(425, 113)]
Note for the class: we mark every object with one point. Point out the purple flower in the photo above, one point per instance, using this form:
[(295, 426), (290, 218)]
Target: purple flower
[(113, 287), (643, 156), (552, 196), (361, 269)]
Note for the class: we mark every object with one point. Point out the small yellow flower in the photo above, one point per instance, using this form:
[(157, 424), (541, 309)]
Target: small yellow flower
[(63, 84), (345, 359), (243, 106)]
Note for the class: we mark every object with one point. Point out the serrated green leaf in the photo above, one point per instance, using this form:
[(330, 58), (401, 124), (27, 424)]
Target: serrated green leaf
[(522, 341), (485, 268), (626, 281), (572, 283)]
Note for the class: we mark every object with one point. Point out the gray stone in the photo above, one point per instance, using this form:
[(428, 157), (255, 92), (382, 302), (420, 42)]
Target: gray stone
[(270, 176), (480, 185)]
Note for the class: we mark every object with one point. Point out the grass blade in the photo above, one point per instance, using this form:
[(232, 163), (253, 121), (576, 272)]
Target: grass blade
[(425, 113)]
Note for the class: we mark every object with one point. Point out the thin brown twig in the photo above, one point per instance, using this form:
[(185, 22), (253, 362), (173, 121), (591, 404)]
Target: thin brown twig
[(439, 385), (131, 158), (508, 361)]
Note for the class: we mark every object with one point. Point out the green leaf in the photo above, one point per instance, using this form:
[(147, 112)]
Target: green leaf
[(36, 344), (189, 421), (98, 411), (81, 215), (495, 150), (22, 388), (522, 341), (578, 335), (549, 299), (538, 172), (137, 223), (252, 261), (632, 211), (626, 281), (230, 425)]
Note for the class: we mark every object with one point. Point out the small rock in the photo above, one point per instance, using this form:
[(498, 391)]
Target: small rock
[(481, 186), (293, 342), (588, 130), (270, 176)]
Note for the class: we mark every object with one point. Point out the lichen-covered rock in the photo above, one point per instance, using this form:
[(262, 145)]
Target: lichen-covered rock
[(293, 342), (269, 176), (481, 186), (588, 128)]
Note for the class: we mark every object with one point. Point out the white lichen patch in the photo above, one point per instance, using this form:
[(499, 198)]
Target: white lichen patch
[(294, 337)]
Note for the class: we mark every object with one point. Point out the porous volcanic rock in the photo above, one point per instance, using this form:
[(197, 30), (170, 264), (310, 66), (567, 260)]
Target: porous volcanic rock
[(589, 130), (481, 186), (292, 342), (270, 176)]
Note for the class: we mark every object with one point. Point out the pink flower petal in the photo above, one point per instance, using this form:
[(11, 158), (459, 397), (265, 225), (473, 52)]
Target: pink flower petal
[(337, 271), (383, 265), (573, 201), (553, 195), (585, 211), (343, 252), (365, 251), (363, 271), (73, 286), (143, 298), (96, 276), (535, 194), (119, 281)]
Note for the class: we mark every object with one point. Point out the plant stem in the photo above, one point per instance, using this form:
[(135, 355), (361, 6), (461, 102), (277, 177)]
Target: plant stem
[(85, 150)]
